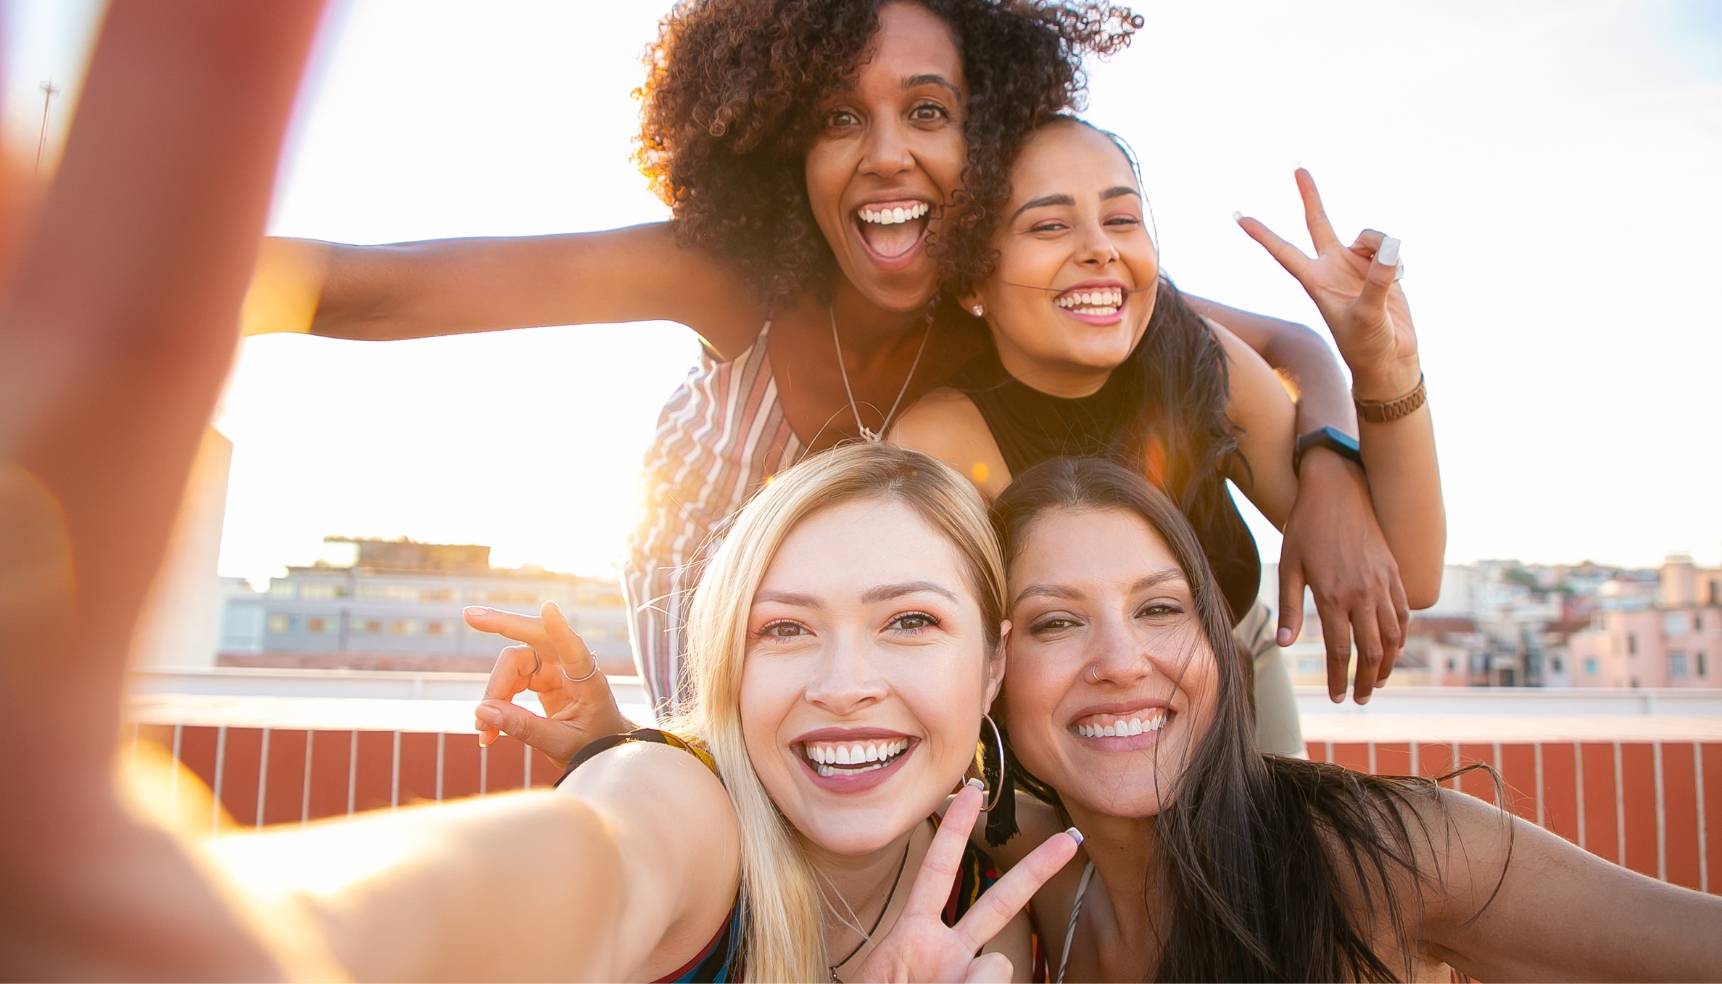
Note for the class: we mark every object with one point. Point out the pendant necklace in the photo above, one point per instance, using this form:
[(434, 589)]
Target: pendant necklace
[(867, 434), (887, 908)]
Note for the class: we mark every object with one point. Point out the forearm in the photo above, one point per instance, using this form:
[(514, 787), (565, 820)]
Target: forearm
[(1405, 483), (1299, 356), (514, 887)]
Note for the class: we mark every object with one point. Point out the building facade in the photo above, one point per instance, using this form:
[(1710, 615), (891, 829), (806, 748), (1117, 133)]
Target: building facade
[(1673, 643)]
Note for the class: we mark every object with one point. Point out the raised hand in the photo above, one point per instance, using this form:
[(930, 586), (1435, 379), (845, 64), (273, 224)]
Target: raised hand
[(920, 947), (552, 661), (1356, 290)]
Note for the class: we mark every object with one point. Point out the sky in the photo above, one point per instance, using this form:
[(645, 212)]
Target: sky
[(1551, 166)]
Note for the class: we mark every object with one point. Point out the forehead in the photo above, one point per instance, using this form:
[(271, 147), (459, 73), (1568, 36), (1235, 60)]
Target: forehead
[(1099, 545), (1071, 159), (911, 40), (842, 550)]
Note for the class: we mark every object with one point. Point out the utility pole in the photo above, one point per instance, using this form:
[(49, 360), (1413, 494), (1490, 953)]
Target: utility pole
[(49, 91)]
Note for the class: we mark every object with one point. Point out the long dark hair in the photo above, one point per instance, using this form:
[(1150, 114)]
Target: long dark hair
[(1265, 862)]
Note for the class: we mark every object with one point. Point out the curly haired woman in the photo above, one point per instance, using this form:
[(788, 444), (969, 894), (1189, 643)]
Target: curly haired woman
[(815, 154)]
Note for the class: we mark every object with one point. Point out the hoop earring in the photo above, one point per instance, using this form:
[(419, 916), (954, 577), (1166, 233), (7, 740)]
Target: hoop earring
[(1001, 810)]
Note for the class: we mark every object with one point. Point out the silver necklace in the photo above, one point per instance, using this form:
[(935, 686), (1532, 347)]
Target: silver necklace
[(867, 434)]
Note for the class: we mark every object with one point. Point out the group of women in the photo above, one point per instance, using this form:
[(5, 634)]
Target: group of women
[(1026, 568)]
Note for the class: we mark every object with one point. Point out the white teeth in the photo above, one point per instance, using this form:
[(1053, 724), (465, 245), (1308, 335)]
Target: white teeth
[(825, 755), (1125, 728), (894, 215), (1105, 301)]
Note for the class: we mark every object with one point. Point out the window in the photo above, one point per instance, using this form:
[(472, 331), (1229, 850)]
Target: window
[(1555, 664), (1590, 667), (322, 590), (1452, 665), (1703, 671), (436, 627), (405, 627), (1676, 665), (437, 596), (280, 624), (372, 626), (1631, 644), (389, 592), (280, 588), (319, 625), (1673, 623)]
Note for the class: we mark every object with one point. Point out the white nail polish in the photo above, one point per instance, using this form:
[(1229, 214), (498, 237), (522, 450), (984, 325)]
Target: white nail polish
[(1075, 835), (976, 783), (1237, 216), (1388, 254)]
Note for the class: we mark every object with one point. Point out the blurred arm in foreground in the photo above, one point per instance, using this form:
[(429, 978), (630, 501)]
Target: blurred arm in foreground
[(116, 330)]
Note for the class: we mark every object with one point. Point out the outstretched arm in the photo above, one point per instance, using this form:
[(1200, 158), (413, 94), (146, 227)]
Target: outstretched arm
[(452, 286), (1512, 901)]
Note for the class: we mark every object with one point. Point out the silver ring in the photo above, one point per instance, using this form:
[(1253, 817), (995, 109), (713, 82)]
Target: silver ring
[(582, 678)]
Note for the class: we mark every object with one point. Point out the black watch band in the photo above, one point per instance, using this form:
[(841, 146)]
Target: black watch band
[(1332, 438)]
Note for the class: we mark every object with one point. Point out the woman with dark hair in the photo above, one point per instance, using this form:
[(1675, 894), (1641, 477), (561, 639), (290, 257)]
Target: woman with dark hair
[(1096, 353), (817, 156), (1128, 716)]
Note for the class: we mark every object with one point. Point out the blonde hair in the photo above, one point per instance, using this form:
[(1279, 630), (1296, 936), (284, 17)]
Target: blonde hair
[(779, 900)]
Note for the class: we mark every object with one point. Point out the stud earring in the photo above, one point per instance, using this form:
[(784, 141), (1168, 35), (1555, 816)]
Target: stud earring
[(978, 310)]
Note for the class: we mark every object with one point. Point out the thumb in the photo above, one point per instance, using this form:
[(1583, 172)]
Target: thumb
[(1291, 603), (1382, 272), (989, 967), (517, 722)]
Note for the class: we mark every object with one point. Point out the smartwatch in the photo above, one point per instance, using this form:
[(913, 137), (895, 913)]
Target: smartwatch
[(1332, 438)]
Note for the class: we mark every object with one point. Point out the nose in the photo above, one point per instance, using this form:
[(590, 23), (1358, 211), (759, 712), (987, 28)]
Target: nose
[(844, 678), (1117, 655), (885, 154), (1095, 248)]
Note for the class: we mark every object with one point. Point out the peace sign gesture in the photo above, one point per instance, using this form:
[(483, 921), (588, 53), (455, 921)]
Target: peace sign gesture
[(552, 661), (920, 947), (1355, 288)]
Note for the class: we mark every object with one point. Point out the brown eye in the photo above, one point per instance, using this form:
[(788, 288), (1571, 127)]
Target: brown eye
[(913, 622)]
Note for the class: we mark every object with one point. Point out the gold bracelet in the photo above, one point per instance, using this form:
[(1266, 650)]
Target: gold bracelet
[(1387, 411)]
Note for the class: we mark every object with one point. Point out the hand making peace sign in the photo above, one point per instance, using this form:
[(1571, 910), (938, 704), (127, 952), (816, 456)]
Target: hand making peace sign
[(920, 947), (1354, 287)]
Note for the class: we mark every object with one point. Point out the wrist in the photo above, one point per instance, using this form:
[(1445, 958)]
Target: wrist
[(1387, 382), (1320, 464)]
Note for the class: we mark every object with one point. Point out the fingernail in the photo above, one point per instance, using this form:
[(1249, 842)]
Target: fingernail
[(1338, 698), (976, 784), (489, 715), (1364, 699), (1075, 835), (1388, 254), (475, 611), (1284, 638), (1237, 216), (485, 738)]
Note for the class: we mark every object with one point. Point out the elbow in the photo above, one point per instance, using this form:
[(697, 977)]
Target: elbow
[(1424, 595)]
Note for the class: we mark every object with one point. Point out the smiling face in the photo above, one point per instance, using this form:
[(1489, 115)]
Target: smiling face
[(888, 155), (1111, 681), (1075, 281), (866, 672)]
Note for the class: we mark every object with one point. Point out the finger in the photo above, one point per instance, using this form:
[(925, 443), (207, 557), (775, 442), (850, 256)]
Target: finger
[(999, 904), (1336, 636), (509, 625), (568, 648), (1315, 214), (1392, 638), (1289, 256), (1383, 269), (1367, 243), (944, 857), (1367, 631), (1402, 614), (993, 968), (1291, 603), (520, 722)]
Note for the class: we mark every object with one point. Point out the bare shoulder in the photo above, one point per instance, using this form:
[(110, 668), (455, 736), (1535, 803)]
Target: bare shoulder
[(947, 425)]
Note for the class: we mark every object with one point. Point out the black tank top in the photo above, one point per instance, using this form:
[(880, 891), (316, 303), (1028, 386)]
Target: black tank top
[(1030, 427)]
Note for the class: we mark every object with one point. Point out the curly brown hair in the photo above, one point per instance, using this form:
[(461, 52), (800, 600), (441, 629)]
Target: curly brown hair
[(730, 100)]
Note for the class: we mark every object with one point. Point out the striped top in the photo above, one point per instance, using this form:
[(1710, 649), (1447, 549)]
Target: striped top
[(720, 436)]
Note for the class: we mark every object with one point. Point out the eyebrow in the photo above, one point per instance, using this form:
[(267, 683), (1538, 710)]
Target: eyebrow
[(932, 78), (1060, 591), (883, 592), (1116, 191)]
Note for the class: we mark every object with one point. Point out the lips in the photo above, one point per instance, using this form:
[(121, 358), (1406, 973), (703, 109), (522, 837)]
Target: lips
[(1094, 302), (1122, 728), (848, 760)]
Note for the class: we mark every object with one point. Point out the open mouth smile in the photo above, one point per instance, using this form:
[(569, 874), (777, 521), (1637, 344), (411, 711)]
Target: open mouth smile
[(840, 762), (1097, 304), (1122, 732), (891, 231)]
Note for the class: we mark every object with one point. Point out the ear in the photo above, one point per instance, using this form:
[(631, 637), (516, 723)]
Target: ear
[(996, 664), (969, 299)]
